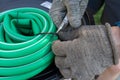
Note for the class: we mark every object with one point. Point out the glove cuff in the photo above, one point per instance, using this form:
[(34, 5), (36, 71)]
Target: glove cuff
[(114, 48)]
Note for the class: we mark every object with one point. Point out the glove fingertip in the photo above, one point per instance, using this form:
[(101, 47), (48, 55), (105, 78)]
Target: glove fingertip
[(57, 49), (74, 22), (55, 43)]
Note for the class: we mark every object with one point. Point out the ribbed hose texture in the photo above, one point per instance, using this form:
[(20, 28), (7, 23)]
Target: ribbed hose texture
[(23, 54)]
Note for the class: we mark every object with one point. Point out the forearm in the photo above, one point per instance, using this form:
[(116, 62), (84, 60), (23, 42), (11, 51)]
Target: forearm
[(110, 73)]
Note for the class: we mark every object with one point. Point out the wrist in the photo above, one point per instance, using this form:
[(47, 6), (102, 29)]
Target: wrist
[(117, 23)]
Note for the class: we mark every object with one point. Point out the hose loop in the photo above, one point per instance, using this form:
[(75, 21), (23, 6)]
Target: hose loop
[(24, 53)]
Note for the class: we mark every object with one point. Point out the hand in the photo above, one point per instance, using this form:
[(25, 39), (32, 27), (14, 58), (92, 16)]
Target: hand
[(85, 57), (73, 8), (113, 72)]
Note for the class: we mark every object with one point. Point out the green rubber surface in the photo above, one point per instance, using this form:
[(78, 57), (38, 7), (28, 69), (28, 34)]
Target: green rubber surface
[(23, 54)]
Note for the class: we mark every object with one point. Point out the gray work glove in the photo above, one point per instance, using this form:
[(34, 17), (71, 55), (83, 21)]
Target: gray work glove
[(73, 8), (87, 56)]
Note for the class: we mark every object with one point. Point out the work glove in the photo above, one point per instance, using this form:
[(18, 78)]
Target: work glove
[(74, 9), (87, 56)]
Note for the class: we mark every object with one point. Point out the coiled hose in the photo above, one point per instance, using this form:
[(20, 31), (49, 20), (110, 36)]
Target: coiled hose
[(23, 53)]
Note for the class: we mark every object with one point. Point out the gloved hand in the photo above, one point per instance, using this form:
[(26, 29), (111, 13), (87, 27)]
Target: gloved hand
[(87, 56), (73, 8)]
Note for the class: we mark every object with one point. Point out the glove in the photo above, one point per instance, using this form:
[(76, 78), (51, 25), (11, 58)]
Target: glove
[(87, 56), (73, 8)]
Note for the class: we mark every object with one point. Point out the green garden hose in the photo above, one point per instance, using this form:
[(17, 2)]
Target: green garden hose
[(23, 53)]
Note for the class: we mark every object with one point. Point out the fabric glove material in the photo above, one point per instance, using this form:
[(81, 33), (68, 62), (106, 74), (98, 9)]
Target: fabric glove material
[(87, 56), (73, 8)]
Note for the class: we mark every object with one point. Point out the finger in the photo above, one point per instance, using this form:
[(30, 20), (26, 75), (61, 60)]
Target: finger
[(66, 73), (61, 63), (57, 12), (83, 5), (59, 48), (74, 12)]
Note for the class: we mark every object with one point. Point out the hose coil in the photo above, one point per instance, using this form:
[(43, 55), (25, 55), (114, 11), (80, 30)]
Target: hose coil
[(23, 54)]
